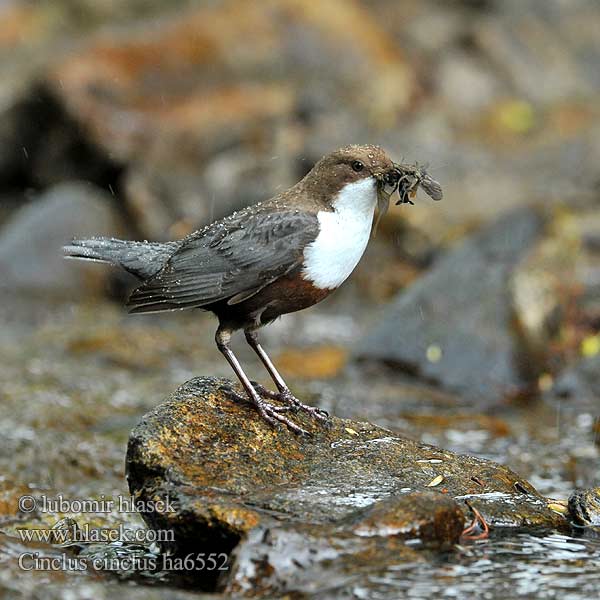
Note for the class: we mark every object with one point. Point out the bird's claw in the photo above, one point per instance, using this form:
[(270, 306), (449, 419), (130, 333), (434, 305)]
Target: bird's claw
[(270, 413), (274, 417), (292, 403)]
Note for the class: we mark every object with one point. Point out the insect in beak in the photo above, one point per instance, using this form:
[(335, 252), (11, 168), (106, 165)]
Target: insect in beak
[(406, 180), (412, 177)]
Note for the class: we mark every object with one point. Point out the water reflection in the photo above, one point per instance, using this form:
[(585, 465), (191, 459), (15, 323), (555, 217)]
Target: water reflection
[(524, 565)]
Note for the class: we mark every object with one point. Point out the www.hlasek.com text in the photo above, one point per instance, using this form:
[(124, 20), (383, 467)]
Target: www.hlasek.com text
[(86, 535)]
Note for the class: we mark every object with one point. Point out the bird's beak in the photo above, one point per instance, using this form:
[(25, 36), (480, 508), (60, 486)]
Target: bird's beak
[(383, 198)]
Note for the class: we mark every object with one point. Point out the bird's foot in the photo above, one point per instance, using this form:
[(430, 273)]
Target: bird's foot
[(270, 413), (273, 415), (291, 402)]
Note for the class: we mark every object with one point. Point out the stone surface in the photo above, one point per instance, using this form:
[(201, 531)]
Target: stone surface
[(454, 326), (351, 494), (584, 507), (310, 558), (31, 258)]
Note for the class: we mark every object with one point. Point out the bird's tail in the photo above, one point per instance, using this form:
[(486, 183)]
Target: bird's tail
[(142, 259)]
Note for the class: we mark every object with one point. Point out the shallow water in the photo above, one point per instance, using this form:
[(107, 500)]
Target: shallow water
[(76, 379), (521, 565)]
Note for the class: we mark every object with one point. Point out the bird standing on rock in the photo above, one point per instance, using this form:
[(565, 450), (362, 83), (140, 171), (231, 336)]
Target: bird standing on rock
[(269, 259)]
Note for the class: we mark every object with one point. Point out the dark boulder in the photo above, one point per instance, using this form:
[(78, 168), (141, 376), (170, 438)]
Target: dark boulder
[(455, 325)]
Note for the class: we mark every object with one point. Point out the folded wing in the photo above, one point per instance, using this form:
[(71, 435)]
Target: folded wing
[(230, 260)]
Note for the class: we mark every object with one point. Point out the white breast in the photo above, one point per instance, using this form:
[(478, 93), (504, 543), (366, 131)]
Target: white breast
[(343, 235)]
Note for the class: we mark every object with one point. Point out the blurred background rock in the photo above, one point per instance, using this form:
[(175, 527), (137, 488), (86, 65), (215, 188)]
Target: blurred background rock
[(176, 113), (149, 118)]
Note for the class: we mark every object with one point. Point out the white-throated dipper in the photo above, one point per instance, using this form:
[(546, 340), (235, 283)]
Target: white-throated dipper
[(269, 259)]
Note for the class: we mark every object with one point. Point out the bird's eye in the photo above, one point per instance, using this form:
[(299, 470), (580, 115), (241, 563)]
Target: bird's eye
[(357, 166)]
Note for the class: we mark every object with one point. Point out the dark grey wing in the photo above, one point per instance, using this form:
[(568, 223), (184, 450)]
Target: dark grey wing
[(230, 260)]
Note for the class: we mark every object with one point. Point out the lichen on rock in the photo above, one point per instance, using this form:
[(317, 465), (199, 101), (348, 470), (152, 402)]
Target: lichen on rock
[(348, 495)]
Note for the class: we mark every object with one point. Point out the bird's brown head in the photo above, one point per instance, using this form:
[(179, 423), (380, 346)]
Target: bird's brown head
[(361, 171), (350, 164)]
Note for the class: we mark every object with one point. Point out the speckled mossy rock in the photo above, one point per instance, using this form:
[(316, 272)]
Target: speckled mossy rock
[(349, 495)]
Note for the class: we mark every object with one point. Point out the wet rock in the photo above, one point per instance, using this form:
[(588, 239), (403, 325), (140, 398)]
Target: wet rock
[(107, 590), (348, 496), (584, 507), (30, 242), (306, 558), (454, 326)]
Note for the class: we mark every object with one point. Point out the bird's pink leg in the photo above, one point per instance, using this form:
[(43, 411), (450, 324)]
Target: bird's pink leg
[(284, 394), (271, 414)]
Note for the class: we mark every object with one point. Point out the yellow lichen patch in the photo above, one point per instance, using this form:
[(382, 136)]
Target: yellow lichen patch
[(515, 116), (320, 363), (9, 498), (434, 353), (155, 447), (590, 346)]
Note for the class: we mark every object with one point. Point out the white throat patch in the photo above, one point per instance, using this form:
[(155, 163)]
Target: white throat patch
[(343, 235)]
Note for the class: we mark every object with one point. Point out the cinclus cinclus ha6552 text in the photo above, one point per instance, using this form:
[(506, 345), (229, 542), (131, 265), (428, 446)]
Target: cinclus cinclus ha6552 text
[(269, 259)]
